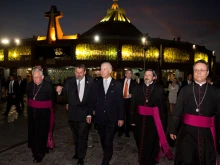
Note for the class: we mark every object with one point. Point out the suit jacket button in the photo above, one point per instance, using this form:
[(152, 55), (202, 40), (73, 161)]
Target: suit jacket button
[(105, 97), (104, 111)]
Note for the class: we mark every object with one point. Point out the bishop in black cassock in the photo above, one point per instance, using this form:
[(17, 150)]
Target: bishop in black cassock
[(39, 118), (200, 101), (145, 131)]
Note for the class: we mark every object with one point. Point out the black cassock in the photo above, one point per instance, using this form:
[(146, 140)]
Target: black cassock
[(145, 131), (39, 118), (195, 145)]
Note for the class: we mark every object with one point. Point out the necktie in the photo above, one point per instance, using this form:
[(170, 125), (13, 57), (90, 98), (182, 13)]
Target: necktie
[(106, 86), (78, 86), (126, 89)]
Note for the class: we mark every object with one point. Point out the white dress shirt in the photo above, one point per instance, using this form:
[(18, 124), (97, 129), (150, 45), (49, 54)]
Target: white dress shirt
[(82, 87), (11, 84), (108, 83)]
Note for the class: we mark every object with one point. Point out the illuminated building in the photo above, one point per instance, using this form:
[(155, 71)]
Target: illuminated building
[(114, 39)]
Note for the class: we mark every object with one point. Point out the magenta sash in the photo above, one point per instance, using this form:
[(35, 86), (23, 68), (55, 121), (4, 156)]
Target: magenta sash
[(201, 121), (45, 104), (154, 111)]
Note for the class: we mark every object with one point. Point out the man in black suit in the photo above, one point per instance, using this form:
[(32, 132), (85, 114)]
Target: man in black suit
[(12, 93), (77, 89), (21, 91), (188, 81), (137, 78), (108, 108), (128, 85)]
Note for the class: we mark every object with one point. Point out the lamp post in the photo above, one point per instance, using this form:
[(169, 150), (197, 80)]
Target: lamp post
[(144, 41)]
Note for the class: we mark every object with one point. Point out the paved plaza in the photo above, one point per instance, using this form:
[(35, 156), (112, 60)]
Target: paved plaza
[(14, 150)]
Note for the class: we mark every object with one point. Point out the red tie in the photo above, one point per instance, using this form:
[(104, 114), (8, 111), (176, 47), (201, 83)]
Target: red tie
[(126, 90)]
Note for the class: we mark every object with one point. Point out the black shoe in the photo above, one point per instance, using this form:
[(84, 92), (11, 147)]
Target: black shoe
[(37, 160), (75, 156), (120, 134), (80, 161)]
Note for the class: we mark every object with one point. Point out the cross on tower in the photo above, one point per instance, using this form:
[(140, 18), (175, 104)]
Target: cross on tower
[(54, 26)]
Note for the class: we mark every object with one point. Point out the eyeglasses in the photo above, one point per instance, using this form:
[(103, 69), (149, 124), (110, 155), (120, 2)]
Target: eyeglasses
[(199, 70)]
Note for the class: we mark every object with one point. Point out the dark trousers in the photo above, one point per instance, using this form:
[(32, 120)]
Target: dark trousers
[(80, 137), (127, 125), (21, 100), (106, 133), (12, 101)]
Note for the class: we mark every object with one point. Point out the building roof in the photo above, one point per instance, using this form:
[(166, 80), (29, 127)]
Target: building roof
[(115, 23)]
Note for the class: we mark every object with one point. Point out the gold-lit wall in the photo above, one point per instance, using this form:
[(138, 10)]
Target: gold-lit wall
[(200, 56), (19, 53), (96, 52), (174, 55), (1, 54), (136, 53)]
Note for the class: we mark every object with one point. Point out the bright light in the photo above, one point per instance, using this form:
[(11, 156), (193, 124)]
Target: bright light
[(5, 41), (213, 53), (17, 41), (96, 38), (143, 40), (194, 46)]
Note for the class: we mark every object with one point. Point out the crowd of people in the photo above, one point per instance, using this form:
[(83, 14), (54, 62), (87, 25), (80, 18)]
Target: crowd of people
[(125, 105)]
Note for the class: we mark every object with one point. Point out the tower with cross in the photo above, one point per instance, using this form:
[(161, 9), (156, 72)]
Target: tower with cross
[(54, 30)]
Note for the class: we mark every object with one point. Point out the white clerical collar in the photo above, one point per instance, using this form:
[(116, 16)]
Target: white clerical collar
[(149, 83), (200, 84)]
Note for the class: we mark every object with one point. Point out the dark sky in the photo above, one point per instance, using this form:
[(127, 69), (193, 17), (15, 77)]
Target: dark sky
[(195, 21)]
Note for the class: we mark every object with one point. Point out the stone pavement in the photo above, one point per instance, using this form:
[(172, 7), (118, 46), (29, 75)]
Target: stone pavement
[(14, 150)]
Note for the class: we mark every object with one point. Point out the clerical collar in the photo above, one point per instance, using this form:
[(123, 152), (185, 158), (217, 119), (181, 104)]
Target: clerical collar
[(200, 84), (39, 83), (149, 83)]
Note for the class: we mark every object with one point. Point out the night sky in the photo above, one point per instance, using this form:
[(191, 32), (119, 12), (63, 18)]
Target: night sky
[(195, 21)]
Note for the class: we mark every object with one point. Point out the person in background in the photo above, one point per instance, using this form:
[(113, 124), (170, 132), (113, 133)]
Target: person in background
[(137, 78), (21, 92), (173, 90), (12, 93), (128, 85)]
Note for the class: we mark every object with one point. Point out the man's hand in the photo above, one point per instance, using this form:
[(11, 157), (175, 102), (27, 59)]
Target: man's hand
[(89, 119), (133, 125), (67, 107), (120, 123), (59, 89), (173, 137)]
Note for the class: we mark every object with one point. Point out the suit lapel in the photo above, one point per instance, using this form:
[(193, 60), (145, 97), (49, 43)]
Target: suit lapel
[(86, 89), (111, 86), (72, 85)]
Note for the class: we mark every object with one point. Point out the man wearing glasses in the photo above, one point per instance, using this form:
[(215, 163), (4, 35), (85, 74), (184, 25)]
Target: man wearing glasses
[(197, 106)]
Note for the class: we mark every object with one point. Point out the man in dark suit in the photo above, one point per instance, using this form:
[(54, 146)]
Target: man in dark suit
[(137, 78), (108, 109), (188, 81), (21, 91), (12, 93), (77, 89), (128, 85)]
